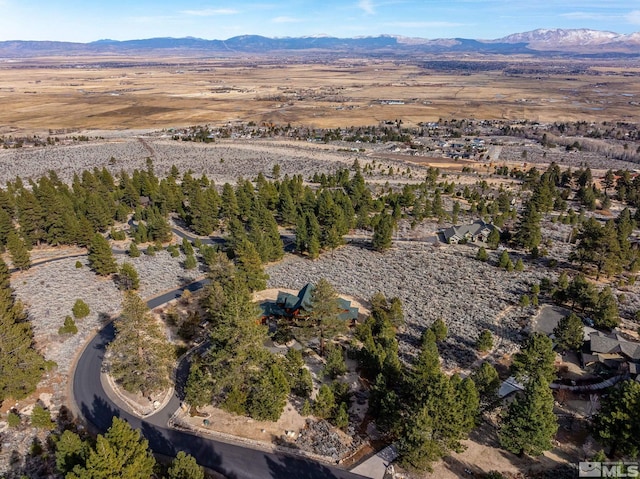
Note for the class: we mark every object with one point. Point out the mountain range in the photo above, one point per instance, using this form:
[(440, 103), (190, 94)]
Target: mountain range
[(536, 42)]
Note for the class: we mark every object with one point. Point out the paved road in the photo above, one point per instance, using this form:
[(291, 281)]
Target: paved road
[(233, 461)]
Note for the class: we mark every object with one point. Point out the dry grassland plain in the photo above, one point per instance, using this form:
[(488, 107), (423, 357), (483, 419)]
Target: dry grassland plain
[(83, 94)]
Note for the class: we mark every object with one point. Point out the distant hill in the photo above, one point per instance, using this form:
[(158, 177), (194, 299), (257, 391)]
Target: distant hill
[(540, 42)]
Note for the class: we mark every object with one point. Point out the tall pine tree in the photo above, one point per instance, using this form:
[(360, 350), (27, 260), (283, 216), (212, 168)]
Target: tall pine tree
[(141, 357), (101, 257), (529, 424)]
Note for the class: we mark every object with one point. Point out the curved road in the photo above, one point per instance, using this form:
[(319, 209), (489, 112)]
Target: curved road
[(231, 460)]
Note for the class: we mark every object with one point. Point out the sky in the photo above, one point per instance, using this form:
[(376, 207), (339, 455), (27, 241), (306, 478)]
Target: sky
[(90, 20)]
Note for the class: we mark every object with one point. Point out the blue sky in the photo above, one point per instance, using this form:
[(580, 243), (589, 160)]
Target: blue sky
[(88, 20)]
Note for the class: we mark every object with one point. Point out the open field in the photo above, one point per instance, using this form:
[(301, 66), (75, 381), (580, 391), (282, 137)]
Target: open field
[(118, 93)]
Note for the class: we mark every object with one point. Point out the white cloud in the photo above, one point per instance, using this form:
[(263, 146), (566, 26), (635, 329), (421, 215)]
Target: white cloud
[(210, 12), (367, 7), (286, 20), (585, 16), (633, 17)]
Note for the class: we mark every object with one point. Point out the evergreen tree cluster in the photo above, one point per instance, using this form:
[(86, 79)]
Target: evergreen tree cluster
[(427, 411), (21, 365), (237, 373), (120, 452), (529, 424), (606, 247), (579, 292)]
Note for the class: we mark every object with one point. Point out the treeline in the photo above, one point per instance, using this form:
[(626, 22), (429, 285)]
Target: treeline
[(21, 365), (71, 453)]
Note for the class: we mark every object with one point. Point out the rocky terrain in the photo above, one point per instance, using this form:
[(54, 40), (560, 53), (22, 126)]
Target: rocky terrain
[(223, 161), (433, 282)]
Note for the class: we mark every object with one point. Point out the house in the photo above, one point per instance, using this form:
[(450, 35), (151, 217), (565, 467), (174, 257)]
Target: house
[(611, 351), (289, 305), (478, 231)]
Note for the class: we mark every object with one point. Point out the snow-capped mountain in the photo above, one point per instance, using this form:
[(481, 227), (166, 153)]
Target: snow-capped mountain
[(539, 42), (572, 39)]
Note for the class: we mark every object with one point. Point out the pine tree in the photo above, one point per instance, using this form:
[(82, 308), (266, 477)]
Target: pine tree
[(128, 279), (323, 321), (569, 332), (440, 330), (417, 447), (268, 396), (426, 366), (504, 260), (18, 251), (141, 357), (198, 388), (617, 422), (444, 414), (482, 254), (264, 234), (467, 402), (71, 451), (80, 309), (287, 207), (21, 366), (41, 418), (528, 234), (535, 359), (325, 403), (530, 425), (69, 326), (487, 382), (341, 420), (599, 246), (383, 232), (30, 217), (190, 262), (237, 337), (6, 226), (335, 365), (493, 240), (187, 247), (608, 180), (185, 466), (606, 314), (229, 204), (485, 341), (203, 211), (582, 292), (134, 252), (158, 227), (250, 267), (121, 452), (101, 257)]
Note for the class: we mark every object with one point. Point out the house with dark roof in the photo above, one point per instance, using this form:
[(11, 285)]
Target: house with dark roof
[(612, 351), (289, 305), (478, 231)]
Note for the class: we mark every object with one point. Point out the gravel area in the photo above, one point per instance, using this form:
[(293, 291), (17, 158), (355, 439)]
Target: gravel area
[(433, 282)]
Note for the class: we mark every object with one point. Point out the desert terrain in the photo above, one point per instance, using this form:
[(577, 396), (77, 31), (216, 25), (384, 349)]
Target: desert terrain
[(111, 93)]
